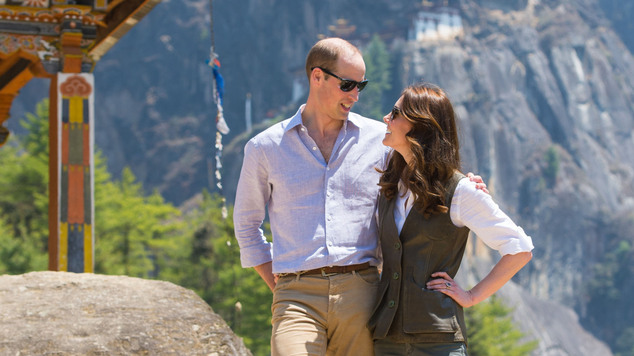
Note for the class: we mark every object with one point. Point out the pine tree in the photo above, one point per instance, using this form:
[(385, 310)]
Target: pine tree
[(130, 227), (211, 267), (490, 331), (377, 71), (24, 196)]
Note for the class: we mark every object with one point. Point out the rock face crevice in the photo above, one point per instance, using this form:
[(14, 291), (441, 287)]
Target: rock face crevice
[(87, 314)]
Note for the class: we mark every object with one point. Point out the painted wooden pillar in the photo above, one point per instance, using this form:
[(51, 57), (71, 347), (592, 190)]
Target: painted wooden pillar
[(71, 187), (71, 219)]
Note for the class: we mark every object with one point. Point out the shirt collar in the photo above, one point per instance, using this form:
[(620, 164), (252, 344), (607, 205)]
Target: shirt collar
[(296, 120)]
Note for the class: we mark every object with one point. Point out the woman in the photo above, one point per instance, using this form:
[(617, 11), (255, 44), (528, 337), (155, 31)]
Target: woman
[(425, 212)]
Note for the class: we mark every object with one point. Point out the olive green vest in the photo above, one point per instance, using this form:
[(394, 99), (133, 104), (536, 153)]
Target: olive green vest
[(406, 311)]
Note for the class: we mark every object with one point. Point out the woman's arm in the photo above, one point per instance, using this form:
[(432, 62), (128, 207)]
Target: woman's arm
[(501, 273), (477, 211)]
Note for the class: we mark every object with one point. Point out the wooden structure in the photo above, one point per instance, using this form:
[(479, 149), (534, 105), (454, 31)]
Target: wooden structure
[(62, 40)]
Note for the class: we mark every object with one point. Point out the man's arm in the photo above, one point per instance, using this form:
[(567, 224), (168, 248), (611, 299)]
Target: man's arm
[(265, 271), (252, 195), (478, 181)]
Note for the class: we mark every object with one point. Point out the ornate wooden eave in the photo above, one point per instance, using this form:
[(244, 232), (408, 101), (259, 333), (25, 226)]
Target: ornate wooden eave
[(16, 69), (39, 38), (119, 20)]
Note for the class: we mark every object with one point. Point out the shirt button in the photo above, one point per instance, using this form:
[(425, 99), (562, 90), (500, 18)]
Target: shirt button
[(395, 275), (390, 304), (397, 245), (303, 129), (314, 148)]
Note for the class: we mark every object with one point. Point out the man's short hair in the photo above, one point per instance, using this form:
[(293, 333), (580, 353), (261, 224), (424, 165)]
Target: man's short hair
[(326, 52)]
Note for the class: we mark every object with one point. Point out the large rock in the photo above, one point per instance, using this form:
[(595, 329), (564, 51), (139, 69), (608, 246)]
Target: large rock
[(59, 313)]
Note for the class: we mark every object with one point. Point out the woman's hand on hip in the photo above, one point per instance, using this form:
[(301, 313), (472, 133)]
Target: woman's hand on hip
[(448, 286)]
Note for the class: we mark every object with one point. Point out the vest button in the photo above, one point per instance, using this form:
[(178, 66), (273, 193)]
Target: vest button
[(397, 245), (391, 304), (395, 275)]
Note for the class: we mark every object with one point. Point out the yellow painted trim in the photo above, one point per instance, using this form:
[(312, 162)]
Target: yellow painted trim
[(76, 110), (63, 247), (88, 250)]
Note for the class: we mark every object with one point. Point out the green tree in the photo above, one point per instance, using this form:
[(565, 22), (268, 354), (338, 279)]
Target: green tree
[(625, 343), (211, 267), (130, 228), (377, 70), (552, 165), (609, 313), (24, 195), (491, 332)]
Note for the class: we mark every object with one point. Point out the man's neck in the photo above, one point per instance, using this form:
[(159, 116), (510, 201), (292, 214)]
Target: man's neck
[(320, 125), (323, 130)]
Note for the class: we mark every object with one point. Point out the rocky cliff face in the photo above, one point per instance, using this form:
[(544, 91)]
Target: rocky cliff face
[(546, 83), (546, 106)]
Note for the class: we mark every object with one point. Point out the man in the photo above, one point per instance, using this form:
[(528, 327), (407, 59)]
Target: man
[(315, 171)]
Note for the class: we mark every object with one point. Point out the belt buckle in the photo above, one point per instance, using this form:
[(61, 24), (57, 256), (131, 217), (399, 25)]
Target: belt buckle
[(324, 274)]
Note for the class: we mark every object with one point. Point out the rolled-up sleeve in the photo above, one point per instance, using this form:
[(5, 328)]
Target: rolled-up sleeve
[(476, 210), (252, 195)]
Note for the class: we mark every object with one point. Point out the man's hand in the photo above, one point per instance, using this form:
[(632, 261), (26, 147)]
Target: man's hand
[(478, 181), (266, 272)]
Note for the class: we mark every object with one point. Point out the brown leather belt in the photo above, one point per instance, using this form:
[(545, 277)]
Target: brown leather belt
[(327, 271)]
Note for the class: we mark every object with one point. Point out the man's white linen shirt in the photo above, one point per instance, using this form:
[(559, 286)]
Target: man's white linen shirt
[(321, 213)]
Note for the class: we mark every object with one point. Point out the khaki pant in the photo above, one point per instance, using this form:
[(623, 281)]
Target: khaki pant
[(316, 315), (387, 348)]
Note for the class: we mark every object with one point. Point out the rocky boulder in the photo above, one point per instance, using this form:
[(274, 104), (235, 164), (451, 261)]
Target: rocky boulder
[(89, 314)]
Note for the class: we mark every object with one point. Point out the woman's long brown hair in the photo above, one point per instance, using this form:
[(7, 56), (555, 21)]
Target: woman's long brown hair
[(434, 143)]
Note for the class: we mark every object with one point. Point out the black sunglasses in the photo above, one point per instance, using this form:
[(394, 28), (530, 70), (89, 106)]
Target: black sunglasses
[(346, 84), (395, 112)]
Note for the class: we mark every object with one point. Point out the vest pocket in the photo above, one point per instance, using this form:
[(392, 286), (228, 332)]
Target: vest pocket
[(427, 311)]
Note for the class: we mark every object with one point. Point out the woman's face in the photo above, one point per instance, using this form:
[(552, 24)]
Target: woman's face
[(397, 128)]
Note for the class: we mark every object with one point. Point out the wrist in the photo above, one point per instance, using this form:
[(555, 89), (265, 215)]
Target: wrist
[(471, 298)]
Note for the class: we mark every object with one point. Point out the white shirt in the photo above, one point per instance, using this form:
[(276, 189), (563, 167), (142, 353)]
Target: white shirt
[(321, 213), (476, 210)]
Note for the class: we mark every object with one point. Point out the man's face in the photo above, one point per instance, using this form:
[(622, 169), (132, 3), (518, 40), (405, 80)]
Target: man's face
[(336, 103)]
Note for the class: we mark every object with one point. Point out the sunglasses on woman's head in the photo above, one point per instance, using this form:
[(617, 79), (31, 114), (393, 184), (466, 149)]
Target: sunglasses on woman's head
[(346, 84)]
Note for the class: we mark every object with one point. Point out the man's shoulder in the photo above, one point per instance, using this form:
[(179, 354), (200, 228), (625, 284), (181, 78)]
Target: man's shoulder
[(272, 133)]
